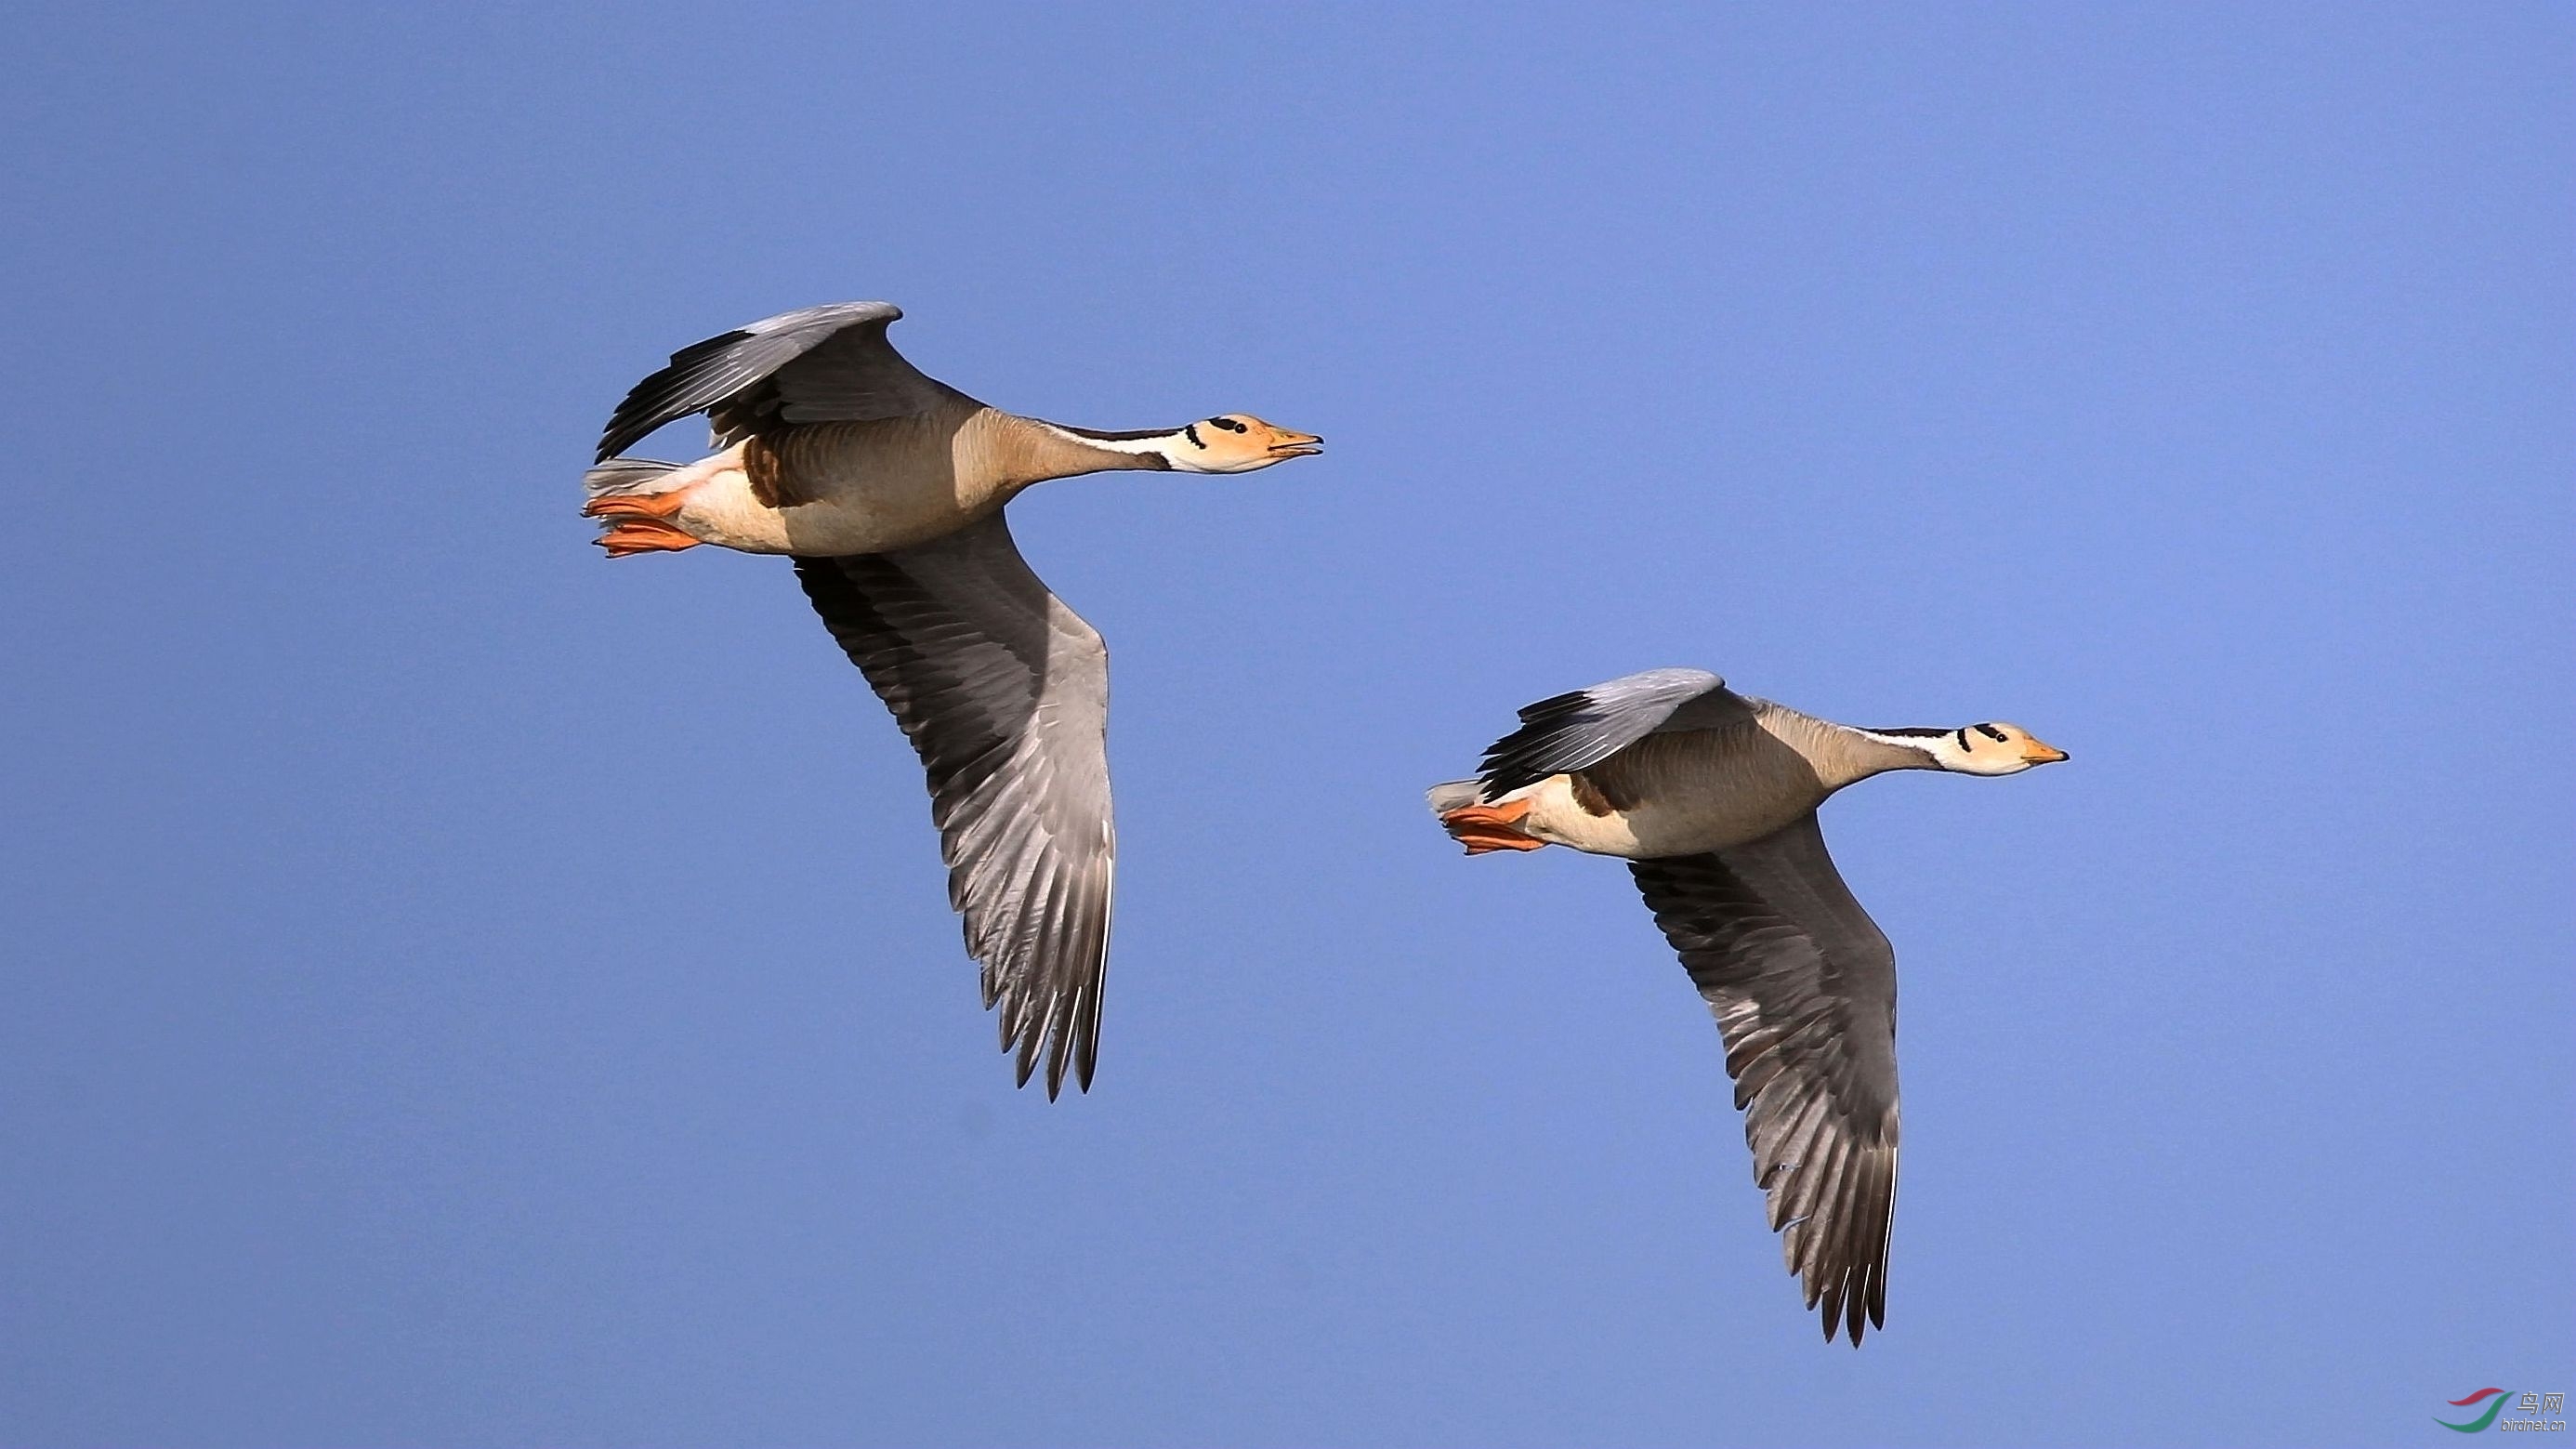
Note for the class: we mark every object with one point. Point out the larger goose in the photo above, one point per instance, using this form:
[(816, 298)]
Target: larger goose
[(887, 489), (1711, 797)]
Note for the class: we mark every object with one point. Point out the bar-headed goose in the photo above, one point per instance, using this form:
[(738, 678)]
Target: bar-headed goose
[(1711, 797), (887, 488)]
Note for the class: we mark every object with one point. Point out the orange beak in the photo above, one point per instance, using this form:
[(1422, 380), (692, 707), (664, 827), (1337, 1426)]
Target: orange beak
[(1285, 444)]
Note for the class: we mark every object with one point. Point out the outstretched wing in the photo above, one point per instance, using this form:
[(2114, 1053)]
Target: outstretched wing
[(815, 364), (1571, 731), (1004, 692), (1803, 985)]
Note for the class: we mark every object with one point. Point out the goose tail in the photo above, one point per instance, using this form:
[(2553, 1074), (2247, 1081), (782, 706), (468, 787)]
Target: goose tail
[(1453, 795), (626, 475)]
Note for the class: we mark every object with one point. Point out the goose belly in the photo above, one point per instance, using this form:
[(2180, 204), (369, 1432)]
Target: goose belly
[(832, 499), (725, 511), (1678, 820)]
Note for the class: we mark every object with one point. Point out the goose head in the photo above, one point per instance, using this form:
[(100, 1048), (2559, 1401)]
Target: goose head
[(1236, 443), (1992, 748)]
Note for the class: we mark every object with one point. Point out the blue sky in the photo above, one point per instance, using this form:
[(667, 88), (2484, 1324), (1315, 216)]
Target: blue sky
[(467, 992)]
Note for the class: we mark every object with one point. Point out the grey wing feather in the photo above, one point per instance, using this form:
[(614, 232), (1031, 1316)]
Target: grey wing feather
[(1803, 986), (815, 364), (1570, 731), (1004, 692)]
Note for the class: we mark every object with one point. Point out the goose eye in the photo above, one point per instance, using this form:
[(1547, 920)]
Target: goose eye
[(1990, 732), (1229, 424)]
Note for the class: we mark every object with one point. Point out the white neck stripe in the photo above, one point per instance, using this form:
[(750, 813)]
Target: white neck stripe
[(1132, 447)]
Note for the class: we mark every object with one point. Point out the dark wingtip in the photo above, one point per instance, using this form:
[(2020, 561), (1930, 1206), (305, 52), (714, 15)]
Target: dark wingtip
[(1555, 704), (1862, 1313), (1068, 1051)]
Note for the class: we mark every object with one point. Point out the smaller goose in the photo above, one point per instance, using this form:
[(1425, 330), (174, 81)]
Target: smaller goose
[(887, 488), (1711, 797)]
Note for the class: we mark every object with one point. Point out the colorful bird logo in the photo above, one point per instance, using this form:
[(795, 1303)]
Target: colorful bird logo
[(2482, 1420)]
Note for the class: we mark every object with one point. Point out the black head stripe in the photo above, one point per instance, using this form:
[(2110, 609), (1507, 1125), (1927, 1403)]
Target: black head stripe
[(1229, 424), (1990, 732), (1193, 431), (1963, 737)]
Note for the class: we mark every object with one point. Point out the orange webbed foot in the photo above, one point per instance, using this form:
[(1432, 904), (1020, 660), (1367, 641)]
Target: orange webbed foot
[(643, 535), (636, 505), (1483, 828)]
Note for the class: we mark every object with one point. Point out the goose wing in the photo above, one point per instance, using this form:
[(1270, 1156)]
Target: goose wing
[(1004, 692), (1803, 986), (813, 365), (1572, 731)]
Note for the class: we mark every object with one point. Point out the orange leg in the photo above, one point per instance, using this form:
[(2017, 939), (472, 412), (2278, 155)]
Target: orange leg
[(636, 505), (643, 535), (1483, 828)]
